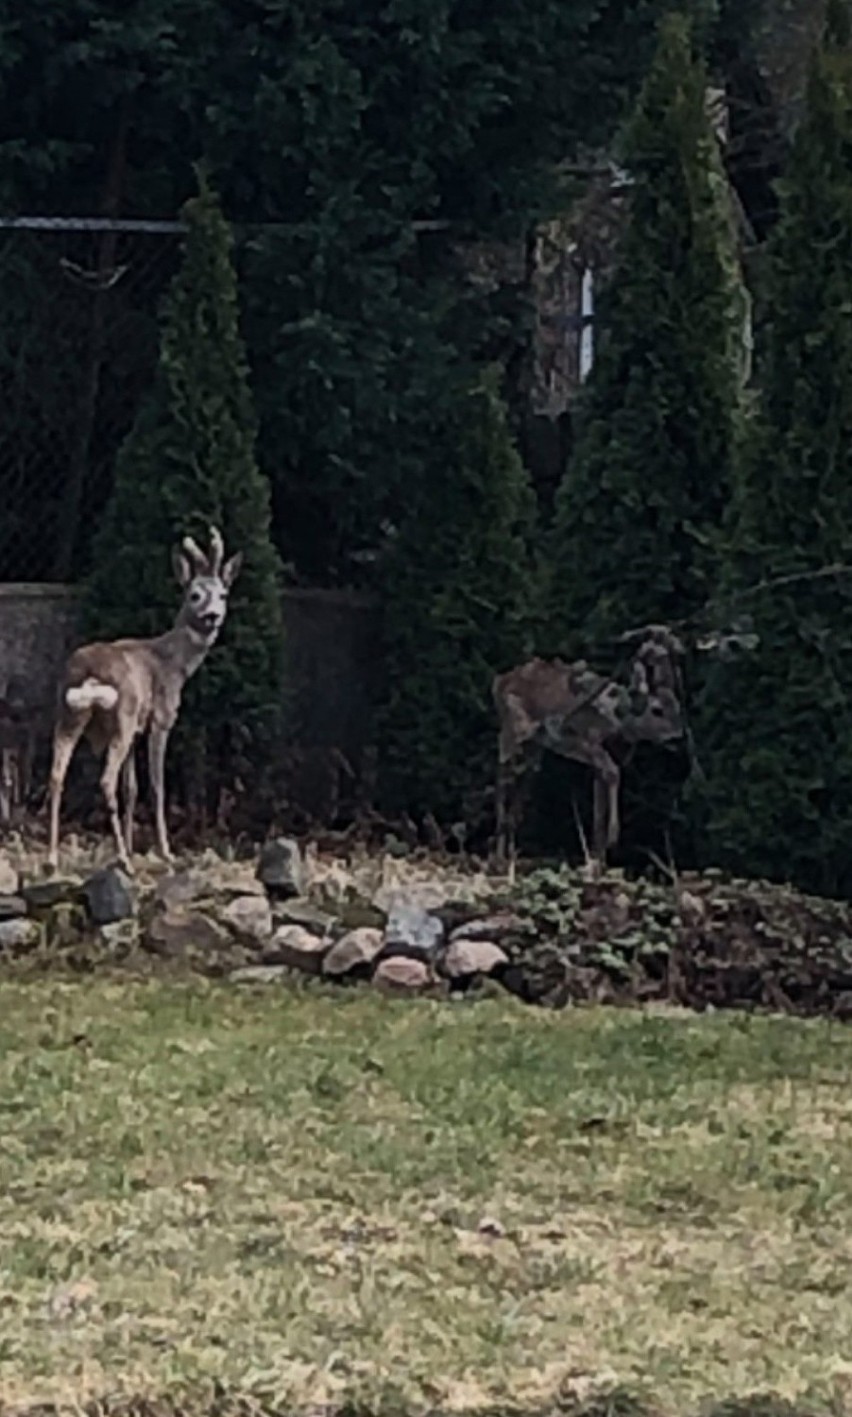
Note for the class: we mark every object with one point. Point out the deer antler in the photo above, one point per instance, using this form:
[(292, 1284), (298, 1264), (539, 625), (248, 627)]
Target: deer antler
[(217, 551), (196, 555)]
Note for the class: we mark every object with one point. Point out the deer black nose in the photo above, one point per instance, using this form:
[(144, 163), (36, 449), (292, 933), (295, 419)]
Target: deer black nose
[(210, 621)]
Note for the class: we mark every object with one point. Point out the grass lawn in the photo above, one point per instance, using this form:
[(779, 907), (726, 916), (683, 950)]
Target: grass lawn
[(293, 1192)]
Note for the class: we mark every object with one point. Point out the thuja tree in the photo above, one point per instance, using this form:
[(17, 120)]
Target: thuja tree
[(649, 478), (778, 728), (189, 462), (459, 593)]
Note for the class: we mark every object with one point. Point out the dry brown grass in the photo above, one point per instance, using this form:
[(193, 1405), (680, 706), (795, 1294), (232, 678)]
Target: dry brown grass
[(291, 1192)]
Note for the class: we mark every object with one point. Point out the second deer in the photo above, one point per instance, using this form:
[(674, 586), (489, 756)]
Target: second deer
[(571, 710), (114, 691)]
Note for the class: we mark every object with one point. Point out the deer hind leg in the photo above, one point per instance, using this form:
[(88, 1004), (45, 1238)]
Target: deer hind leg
[(157, 742), (504, 834), (130, 793), (65, 740), (116, 755), (607, 824)]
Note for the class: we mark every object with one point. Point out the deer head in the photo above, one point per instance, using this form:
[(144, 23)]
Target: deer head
[(206, 583), (655, 711)]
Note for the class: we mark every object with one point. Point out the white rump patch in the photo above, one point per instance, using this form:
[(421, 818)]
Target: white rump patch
[(92, 694)]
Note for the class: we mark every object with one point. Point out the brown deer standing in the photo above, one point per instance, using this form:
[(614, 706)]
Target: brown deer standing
[(114, 691), (586, 717)]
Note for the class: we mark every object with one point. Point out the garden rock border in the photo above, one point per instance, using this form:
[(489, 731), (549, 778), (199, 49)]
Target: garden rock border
[(417, 927)]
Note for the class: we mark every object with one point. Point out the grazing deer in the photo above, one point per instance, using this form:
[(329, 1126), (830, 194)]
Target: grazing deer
[(114, 691), (571, 710)]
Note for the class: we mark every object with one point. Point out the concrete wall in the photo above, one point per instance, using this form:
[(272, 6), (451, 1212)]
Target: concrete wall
[(332, 639)]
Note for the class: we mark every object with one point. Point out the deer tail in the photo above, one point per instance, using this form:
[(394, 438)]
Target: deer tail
[(91, 694)]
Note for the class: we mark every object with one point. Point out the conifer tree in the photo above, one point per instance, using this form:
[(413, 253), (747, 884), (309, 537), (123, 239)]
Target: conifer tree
[(189, 463), (777, 729), (649, 479), (459, 594)]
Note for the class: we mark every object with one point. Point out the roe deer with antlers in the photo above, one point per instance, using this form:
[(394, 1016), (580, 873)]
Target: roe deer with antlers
[(114, 691), (586, 717)]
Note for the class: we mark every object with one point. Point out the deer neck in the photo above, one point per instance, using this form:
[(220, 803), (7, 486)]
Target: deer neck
[(182, 650)]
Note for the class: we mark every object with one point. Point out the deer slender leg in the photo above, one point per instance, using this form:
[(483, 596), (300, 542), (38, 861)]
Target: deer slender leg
[(116, 756), (504, 782), (65, 741), (130, 793), (613, 812), (600, 819), (607, 777), (157, 742)]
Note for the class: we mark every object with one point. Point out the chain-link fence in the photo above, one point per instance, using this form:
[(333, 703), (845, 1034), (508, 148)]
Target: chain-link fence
[(78, 345)]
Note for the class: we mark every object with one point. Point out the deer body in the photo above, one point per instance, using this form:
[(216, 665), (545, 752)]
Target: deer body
[(583, 716), (115, 691)]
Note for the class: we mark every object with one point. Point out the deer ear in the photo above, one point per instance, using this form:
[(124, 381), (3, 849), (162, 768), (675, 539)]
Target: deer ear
[(181, 568), (231, 570)]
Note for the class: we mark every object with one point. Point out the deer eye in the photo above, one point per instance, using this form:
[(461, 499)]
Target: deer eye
[(196, 596)]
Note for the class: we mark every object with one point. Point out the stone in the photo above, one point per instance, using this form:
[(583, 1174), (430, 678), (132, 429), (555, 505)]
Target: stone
[(354, 952), (465, 958), (249, 916), (176, 889), (298, 948), (12, 906), (43, 895), (107, 896), (180, 932), (19, 934), (8, 877), (259, 974), (281, 869), (491, 927), (354, 912), (120, 936), (400, 975), (302, 911), (412, 931)]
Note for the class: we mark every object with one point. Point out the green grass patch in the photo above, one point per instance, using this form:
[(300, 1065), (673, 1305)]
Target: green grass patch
[(290, 1193)]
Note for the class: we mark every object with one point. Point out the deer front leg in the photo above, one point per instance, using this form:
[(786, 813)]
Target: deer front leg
[(504, 835), (65, 741), (607, 778), (157, 743), (116, 756), (130, 793)]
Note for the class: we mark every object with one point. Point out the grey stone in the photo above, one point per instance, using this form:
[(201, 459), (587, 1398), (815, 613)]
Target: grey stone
[(43, 895), (249, 916), (490, 927), (400, 975), (12, 906), (19, 934), (412, 931), (297, 948), (465, 958), (354, 912), (8, 877), (177, 888), (354, 952), (107, 896), (120, 935), (302, 911), (281, 868), (180, 932)]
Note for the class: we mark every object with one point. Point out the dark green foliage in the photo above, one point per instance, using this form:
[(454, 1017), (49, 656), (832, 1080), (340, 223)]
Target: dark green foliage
[(344, 124), (459, 593), (649, 479), (778, 728), (188, 463)]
